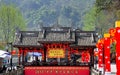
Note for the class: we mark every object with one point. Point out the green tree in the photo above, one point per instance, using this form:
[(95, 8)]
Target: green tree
[(90, 20), (10, 19), (103, 4)]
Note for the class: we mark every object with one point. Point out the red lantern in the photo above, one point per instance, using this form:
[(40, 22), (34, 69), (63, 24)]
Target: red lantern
[(13, 52)]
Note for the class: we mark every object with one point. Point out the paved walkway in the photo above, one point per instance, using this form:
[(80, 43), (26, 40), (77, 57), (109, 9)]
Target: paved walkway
[(113, 69)]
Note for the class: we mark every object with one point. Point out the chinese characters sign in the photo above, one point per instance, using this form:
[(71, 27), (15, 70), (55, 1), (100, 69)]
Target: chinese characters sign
[(56, 53)]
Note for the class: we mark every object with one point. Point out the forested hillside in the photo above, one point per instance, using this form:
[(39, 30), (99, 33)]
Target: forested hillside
[(97, 15), (48, 12)]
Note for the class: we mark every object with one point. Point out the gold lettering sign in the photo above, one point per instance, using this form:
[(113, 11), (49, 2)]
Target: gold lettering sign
[(56, 53)]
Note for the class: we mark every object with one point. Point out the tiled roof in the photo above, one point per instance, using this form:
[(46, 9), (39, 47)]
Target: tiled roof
[(28, 38), (86, 39), (35, 38), (57, 36)]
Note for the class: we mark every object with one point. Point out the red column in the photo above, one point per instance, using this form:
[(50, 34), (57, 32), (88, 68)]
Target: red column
[(60, 45), (100, 56), (48, 46), (107, 67), (117, 36)]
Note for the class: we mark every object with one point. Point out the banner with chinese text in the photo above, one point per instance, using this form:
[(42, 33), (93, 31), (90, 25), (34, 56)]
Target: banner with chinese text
[(56, 53), (57, 70)]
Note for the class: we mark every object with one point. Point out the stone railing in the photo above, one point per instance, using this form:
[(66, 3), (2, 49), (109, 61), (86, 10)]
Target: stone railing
[(95, 72), (14, 72)]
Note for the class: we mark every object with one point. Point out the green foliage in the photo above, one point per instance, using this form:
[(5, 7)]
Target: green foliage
[(1, 47), (79, 13), (66, 12), (90, 20), (103, 4), (50, 11), (10, 19), (106, 14), (113, 47), (101, 22), (104, 21)]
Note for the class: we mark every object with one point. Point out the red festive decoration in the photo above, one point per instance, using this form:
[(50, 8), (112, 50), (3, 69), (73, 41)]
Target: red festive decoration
[(13, 52), (100, 54), (117, 37), (112, 32), (61, 70), (85, 56), (107, 67)]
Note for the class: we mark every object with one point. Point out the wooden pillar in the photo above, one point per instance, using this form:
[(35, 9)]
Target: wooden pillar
[(92, 56), (20, 52), (51, 45), (66, 53), (42, 51), (45, 51), (60, 45), (55, 45), (22, 57)]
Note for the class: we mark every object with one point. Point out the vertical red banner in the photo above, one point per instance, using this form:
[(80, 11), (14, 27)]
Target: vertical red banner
[(117, 37), (107, 67), (100, 56)]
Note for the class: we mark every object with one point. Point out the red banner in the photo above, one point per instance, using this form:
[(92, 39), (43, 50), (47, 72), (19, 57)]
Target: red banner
[(100, 55), (107, 55), (57, 71), (117, 37)]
